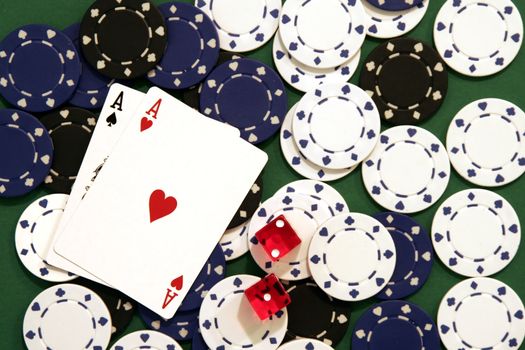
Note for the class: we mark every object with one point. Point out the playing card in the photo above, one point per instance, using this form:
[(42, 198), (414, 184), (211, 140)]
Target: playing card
[(161, 202), (116, 114)]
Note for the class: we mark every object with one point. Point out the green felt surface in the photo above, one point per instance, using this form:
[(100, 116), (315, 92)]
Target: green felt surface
[(19, 287)]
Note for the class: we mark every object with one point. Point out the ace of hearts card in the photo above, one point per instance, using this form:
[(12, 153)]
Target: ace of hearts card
[(161, 202)]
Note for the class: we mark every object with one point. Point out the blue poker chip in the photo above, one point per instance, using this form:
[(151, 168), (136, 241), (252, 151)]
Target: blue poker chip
[(414, 255), (26, 152), (198, 343), (395, 324), (212, 272), (92, 87), (39, 68), (193, 47), (248, 95), (394, 5), (183, 326)]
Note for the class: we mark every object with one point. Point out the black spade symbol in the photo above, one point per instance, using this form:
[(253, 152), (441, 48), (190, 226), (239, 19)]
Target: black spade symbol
[(111, 119)]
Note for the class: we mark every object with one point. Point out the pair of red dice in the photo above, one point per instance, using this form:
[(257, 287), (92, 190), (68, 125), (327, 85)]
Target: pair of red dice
[(268, 296)]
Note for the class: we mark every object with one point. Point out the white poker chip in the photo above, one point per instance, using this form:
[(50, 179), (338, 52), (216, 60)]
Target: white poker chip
[(34, 233), (305, 78), (352, 256), (65, 317), (390, 24), (481, 313), (146, 339), (322, 33), (234, 242), (242, 25), (319, 191), (336, 126), (305, 214), (476, 232), (298, 162), (305, 344), (408, 171), (228, 322), (478, 37), (486, 142)]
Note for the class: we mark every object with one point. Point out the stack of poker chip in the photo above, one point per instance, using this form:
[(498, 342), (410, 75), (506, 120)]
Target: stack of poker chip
[(330, 131), (319, 41), (55, 80)]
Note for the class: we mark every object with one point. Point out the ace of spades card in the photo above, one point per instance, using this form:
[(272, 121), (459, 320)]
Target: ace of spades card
[(161, 202), (115, 116)]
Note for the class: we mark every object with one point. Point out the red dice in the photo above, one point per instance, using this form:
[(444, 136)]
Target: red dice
[(267, 297), (278, 238)]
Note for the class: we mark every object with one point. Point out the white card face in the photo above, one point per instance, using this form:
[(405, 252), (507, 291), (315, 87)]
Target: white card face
[(115, 116), (161, 203)]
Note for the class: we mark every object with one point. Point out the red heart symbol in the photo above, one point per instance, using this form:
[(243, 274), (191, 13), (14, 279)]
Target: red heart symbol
[(177, 283), (160, 205), (145, 124)]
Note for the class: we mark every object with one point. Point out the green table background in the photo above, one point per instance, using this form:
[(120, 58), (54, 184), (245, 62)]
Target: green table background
[(18, 287)]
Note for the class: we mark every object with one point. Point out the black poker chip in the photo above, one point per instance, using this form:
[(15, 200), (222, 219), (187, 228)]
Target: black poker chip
[(314, 314), (407, 80), (249, 205), (70, 129), (191, 96), (121, 307), (123, 39)]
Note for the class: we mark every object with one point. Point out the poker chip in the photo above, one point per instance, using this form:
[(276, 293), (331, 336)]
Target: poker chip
[(478, 37), (476, 232), (298, 162), (485, 142), (336, 126), (67, 309), (193, 47), (39, 68), (212, 272), (395, 324), (394, 5), (408, 171), (305, 214), (234, 242), (246, 32), (249, 205), (248, 95), (322, 33), (331, 319), (144, 339), (92, 87), (352, 257), (191, 96), (121, 308), (305, 344), (227, 320), (34, 230), (407, 80), (180, 327), (123, 39), (305, 78), (319, 191), (70, 129), (387, 24), (414, 255), (483, 313), (26, 153)]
